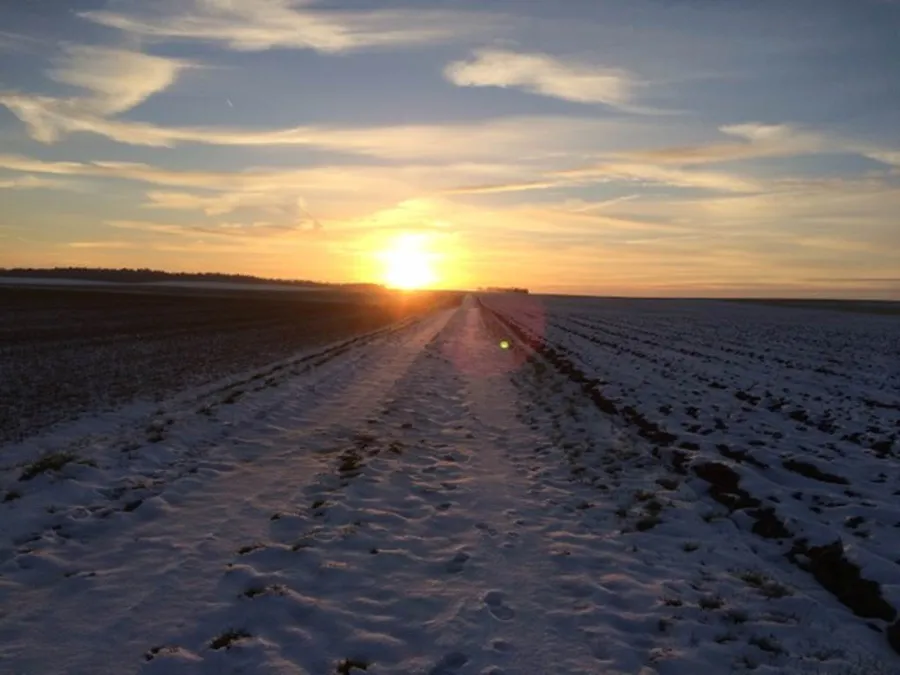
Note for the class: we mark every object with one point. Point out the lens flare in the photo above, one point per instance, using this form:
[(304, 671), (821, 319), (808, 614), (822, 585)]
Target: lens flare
[(503, 317)]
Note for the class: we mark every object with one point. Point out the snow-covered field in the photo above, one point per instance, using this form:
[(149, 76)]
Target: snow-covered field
[(65, 352), (630, 487)]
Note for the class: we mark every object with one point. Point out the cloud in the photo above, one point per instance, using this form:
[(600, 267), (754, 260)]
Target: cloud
[(322, 178), (28, 182), (757, 140), (16, 42), (271, 203), (889, 157), (309, 198), (116, 79), (581, 206), (426, 156), (142, 247), (545, 75), (224, 229), (829, 224), (499, 188), (300, 196), (111, 81), (112, 245), (620, 171), (257, 25), (676, 177), (113, 89), (278, 196), (156, 228)]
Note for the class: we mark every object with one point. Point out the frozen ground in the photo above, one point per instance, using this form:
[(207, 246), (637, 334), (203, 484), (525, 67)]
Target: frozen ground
[(206, 285), (419, 500), (65, 351)]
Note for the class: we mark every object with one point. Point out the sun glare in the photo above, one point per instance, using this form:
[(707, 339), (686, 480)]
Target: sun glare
[(408, 263)]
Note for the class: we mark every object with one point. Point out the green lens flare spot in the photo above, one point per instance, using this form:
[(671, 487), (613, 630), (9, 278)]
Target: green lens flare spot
[(504, 344)]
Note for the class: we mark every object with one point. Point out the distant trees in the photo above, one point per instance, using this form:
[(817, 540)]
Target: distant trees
[(499, 289), (143, 275)]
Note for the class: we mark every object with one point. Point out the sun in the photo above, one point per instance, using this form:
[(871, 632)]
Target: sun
[(408, 263)]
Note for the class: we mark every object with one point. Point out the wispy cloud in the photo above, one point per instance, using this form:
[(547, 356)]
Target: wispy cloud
[(581, 206), (221, 229), (620, 171), (16, 42), (116, 80), (256, 25), (111, 81), (308, 198), (756, 140), (545, 75), (322, 178), (114, 88), (883, 155), (296, 198), (111, 245), (255, 195), (650, 173), (834, 223), (499, 188), (28, 182), (272, 203)]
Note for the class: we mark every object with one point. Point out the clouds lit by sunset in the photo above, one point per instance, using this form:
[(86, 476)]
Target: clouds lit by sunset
[(649, 147)]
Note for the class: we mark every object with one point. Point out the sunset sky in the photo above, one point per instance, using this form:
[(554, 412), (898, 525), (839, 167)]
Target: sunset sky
[(640, 147)]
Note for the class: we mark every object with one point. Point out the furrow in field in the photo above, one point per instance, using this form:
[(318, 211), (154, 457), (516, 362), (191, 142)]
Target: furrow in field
[(810, 509)]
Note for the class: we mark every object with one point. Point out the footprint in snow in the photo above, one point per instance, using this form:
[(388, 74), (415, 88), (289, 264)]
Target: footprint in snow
[(495, 604), (484, 527), (456, 564), (511, 540), (449, 664)]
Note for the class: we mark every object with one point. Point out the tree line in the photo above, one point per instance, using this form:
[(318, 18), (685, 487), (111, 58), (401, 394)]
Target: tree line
[(144, 275)]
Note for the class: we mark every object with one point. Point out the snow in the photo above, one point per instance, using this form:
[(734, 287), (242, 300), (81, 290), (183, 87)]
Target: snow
[(419, 500)]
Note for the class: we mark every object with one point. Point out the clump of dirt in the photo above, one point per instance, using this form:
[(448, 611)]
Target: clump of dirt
[(893, 636), (740, 456), (228, 638), (831, 568), (724, 486), (51, 462), (812, 471), (768, 525)]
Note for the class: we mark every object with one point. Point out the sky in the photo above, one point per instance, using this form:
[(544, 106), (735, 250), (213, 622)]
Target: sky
[(611, 147)]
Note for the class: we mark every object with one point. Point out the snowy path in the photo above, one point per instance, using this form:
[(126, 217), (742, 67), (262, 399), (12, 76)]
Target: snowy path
[(432, 551), (407, 511), (123, 581)]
